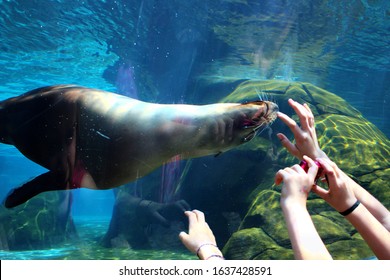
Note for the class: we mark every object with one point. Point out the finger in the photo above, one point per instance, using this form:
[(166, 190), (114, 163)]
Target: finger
[(291, 148), (292, 125), (183, 236), (199, 216), (192, 219), (297, 168), (321, 192), (304, 114), (287, 120), (313, 168), (291, 170), (278, 178), (305, 117), (280, 175), (299, 109), (309, 110), (329, 170)]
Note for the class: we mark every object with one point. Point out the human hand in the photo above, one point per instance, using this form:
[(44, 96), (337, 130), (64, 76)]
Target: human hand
[(306, 142), (199, 239), (340, 194), (296, 183)]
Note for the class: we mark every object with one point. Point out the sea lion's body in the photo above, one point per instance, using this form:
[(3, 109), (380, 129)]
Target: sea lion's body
[(100, 140)]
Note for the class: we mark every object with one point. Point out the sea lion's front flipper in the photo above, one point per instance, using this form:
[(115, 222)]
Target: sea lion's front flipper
[(43, 183)]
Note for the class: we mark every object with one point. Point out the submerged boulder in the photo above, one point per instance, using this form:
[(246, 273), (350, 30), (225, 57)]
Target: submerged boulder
[(43, 222)]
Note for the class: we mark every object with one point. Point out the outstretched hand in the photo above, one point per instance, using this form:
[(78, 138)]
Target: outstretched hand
[(199, 232), (200, 239), (306, 142)]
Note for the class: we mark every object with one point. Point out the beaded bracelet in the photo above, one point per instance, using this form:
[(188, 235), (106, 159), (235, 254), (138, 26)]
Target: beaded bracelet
[(350, 210)]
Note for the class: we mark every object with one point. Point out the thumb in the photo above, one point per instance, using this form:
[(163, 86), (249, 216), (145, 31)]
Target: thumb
[(278, 178), (185, 239), (321, 192), (183, 236)]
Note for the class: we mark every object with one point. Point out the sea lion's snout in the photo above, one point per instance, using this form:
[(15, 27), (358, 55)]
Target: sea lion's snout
[(265, 112), (228, 125), (261, 115)]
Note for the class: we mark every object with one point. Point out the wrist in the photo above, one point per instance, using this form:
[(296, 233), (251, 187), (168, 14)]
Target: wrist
[(349, 210), (291, 204), (321, 154), (343, 205), (209, 251)]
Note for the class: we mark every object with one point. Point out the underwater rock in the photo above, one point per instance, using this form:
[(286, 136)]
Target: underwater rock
[(136, 227), (350, 249), (43, 222), (249, 244), (242, 179), (125, 231)]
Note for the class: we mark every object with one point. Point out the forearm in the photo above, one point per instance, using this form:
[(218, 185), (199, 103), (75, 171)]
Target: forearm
[(377, 209), (372, 231), (306, 242)]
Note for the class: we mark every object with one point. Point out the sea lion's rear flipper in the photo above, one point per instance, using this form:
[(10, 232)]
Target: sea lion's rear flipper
[(43, 183)]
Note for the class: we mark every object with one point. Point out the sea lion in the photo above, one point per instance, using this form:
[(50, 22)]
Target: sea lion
[(89, 138)]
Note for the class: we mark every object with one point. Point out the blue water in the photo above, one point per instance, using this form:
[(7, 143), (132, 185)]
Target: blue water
[(167, 51)]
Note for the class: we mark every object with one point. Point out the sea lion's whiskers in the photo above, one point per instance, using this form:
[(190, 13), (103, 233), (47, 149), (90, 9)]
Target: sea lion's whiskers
[(263, 96), (103, 135), (258, 131), (270, 131)]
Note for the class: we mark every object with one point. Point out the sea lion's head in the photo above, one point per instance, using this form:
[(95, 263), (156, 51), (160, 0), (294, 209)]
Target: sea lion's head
[(233, 124), (260, 114)]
